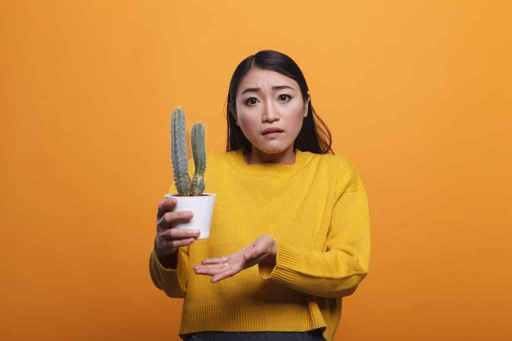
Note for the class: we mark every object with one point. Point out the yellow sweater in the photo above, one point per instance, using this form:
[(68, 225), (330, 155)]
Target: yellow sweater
[(317, 211)]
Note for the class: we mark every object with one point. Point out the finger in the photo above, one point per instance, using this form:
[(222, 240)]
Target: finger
[(210, 269), (165, 206), (171, 219), (181, 242), (215, 260), (174, 245), (224, 275), (179, 233)]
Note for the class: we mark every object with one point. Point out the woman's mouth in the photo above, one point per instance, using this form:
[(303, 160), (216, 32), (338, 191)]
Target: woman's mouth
[(272, 131), (273, 134)]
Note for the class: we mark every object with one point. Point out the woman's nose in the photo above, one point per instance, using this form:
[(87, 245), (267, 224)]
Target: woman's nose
[(269, 111)]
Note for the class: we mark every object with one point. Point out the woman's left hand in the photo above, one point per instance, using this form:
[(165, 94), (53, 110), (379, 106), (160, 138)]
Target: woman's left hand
[(261, 250)]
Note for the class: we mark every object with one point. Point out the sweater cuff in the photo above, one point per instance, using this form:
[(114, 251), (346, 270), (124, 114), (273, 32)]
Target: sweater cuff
[(287, 258), (161, 268), (171, 277)]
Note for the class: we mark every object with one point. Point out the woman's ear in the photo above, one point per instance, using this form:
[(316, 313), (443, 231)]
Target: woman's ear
[(235, 116), (306, 107), (232, 111)]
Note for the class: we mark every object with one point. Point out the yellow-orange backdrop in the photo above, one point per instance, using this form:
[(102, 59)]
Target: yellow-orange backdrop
[(416, 94)]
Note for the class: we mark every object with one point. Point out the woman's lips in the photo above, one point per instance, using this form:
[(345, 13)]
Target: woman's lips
[(272, 130), (273, 134)]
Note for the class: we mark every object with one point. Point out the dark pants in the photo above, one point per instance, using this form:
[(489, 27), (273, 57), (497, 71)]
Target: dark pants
[(311, 335)]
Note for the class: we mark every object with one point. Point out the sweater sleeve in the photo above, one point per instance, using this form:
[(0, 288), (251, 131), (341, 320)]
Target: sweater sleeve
[(338, 270), (172, 281)]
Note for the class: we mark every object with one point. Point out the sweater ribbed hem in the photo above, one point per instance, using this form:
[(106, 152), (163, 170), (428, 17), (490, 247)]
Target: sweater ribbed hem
[(259, 317)]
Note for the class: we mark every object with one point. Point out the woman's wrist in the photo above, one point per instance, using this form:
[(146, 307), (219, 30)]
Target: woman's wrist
[(169, 261), (271, 258)]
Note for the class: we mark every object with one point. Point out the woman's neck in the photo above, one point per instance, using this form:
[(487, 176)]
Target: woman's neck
[(256, 157)]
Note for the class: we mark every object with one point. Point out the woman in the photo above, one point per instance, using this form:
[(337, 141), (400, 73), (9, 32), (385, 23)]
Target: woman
[(290, 231)]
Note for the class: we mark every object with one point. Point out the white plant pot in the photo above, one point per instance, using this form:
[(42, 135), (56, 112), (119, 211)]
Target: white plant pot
[(202, 210)]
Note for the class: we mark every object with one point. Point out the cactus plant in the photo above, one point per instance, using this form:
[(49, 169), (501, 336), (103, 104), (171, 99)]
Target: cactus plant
[(184, 185)]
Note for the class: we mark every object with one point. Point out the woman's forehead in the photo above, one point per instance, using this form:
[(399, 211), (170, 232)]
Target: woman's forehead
[(265, 79)]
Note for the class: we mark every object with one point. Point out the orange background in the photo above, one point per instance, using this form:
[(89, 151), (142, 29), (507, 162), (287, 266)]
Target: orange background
[(416, 94)]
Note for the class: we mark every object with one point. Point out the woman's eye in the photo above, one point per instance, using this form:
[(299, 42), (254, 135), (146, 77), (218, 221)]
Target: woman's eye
[(283, 97), (249, 101)]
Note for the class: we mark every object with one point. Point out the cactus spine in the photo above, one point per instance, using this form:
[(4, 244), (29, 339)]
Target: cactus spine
[(184, 185)]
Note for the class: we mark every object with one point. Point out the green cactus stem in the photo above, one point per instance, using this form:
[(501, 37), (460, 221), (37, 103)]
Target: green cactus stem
[(199, 155), (184, 185)]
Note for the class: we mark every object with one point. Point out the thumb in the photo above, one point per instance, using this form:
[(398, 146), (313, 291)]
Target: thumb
[(249, 253)]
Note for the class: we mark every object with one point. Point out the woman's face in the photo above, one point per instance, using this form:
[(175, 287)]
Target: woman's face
[(267, 99)]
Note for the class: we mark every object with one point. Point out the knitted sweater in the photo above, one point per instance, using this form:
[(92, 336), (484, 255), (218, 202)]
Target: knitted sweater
[(317, 211)]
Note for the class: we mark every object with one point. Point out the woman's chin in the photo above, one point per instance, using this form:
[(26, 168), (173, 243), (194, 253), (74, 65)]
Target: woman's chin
[(272, 148)]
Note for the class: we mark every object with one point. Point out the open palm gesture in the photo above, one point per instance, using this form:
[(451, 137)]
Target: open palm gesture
[(262, 249)]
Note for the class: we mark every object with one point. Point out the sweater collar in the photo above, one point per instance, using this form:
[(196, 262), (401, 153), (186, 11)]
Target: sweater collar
[(238, 162)]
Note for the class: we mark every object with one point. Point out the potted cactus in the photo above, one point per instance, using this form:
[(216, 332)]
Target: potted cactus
[(191, 195)]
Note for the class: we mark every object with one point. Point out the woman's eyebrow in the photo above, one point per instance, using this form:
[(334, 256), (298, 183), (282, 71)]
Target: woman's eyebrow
[(278, 87)]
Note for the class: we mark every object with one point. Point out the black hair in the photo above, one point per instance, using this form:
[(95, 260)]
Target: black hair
[(313, 138)]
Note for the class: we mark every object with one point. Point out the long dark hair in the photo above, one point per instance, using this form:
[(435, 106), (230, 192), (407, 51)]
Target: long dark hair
[(313, 138)]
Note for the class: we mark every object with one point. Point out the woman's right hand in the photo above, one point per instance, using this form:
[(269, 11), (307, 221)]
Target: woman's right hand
[(168, 237)]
